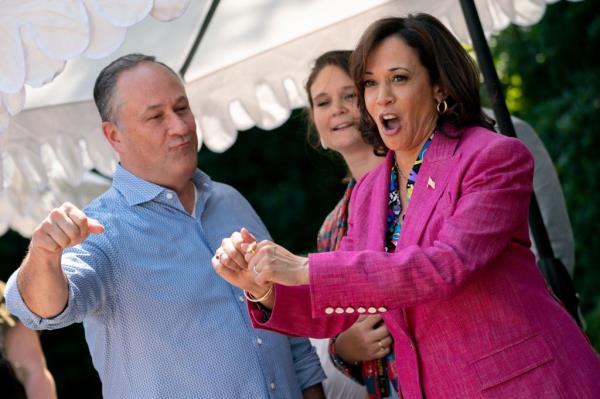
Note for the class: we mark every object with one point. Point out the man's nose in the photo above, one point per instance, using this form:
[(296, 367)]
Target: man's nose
[(177, 125)]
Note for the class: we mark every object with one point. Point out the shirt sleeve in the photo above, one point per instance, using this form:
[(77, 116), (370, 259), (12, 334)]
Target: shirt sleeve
[(86, 292), (306, 363)]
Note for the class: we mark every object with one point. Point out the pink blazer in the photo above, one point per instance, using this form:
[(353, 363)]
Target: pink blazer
[(469, 310)]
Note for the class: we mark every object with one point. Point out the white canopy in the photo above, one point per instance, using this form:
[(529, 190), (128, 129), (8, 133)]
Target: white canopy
[(249, 70)]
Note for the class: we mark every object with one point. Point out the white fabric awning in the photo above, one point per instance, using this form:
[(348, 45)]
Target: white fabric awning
[(248, 71)]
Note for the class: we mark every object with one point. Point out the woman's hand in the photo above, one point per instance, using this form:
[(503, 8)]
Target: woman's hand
[(230, 264), (272, 263), (365, 340)]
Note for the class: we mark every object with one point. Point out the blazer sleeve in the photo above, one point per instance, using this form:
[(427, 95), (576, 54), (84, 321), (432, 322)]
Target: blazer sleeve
[(291, 315), (491, 206)]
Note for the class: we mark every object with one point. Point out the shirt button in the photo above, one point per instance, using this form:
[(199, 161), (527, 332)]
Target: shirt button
[(361, 310), (349, 310), (339, 310), (273, 386), (169, 195), (241, 298), (382, 310), (372, 310), (259, 341), (328, 310)]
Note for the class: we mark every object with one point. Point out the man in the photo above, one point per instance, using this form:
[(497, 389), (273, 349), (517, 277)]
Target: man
[(135, 268)]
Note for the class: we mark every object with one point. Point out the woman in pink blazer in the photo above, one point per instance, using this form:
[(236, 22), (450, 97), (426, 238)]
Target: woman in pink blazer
[(437, 243)]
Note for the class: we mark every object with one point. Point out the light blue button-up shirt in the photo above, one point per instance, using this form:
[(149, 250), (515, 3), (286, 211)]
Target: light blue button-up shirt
[(159, 322)]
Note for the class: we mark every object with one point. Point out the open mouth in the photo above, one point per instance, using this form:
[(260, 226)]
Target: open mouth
[(390, 122)]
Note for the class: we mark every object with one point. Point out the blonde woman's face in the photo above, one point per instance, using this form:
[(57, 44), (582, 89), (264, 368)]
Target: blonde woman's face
[(335, 111)]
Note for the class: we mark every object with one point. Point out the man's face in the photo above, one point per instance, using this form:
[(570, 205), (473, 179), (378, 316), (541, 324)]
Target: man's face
[(155, 128)]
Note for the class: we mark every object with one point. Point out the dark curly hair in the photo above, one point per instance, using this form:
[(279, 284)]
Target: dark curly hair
[(446, 61)]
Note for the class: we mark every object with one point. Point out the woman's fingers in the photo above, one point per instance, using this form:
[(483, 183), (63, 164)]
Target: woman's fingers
[(371, 320), (247, 236), (231, 256), (387, 341)]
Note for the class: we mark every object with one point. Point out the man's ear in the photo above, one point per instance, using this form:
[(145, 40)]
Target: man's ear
[(113, 135)]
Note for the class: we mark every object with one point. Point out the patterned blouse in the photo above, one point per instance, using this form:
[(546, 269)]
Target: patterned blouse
[(377, 374)]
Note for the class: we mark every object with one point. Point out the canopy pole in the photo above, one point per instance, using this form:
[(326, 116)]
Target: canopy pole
[(201, 32), (555, 272)]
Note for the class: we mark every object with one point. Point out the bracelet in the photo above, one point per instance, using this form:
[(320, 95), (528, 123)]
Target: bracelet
[(262, 298)]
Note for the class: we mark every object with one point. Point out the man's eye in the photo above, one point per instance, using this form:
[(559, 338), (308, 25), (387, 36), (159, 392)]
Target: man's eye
[(182, 109), (155, 117)]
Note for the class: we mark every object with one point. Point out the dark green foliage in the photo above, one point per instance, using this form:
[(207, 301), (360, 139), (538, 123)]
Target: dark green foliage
[(290, 185), (551, 69)]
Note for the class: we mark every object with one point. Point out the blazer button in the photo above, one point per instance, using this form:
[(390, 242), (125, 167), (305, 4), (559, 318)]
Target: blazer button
[(382, 310), (372, 310), (349, 310), (339, 310), (361, 310), (328, 310)]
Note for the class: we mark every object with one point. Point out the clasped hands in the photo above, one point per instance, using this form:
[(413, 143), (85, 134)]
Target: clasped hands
[(254, 267)]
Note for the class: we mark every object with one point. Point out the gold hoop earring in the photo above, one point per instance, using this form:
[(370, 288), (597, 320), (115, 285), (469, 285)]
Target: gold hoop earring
[(442, 107)]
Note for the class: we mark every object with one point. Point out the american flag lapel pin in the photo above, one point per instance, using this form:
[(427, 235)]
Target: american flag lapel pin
[(431, 183)]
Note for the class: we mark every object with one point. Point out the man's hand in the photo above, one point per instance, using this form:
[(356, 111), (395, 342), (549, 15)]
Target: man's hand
[(65, 226), (230, 264), (41, 281)]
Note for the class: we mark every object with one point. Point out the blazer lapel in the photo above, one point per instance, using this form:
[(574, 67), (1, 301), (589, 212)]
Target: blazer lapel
[(429, 187)]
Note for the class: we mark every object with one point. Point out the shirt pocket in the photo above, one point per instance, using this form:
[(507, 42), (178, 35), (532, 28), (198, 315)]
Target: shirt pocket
[(518, 370)]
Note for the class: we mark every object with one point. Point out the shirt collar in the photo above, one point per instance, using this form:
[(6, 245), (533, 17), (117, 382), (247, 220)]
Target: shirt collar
[(136, 190)]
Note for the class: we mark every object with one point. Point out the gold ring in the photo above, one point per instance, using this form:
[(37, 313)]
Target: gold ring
[(252, 248)]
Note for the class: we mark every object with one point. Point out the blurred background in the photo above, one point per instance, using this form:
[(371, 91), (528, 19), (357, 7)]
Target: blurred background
[(551, 80)]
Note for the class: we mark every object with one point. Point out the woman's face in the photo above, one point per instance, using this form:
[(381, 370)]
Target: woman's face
[(399, 96), (335, 112)]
